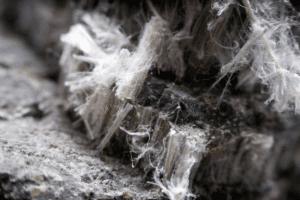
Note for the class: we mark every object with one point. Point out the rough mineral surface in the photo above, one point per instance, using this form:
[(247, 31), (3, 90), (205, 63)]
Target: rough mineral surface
[(42, 160)]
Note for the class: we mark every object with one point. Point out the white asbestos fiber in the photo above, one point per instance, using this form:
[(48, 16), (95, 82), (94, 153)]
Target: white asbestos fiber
[(271, 51), (112, 64)]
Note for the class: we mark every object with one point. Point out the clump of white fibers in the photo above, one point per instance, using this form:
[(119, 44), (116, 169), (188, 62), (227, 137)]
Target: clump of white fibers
[(136, 144), (186, 147), (276, 60), (139, 63), (91, 90), (273, 52)]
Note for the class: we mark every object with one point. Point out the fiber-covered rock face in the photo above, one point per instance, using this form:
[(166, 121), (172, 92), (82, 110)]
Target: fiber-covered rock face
[(149, 89), (173, 135)]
